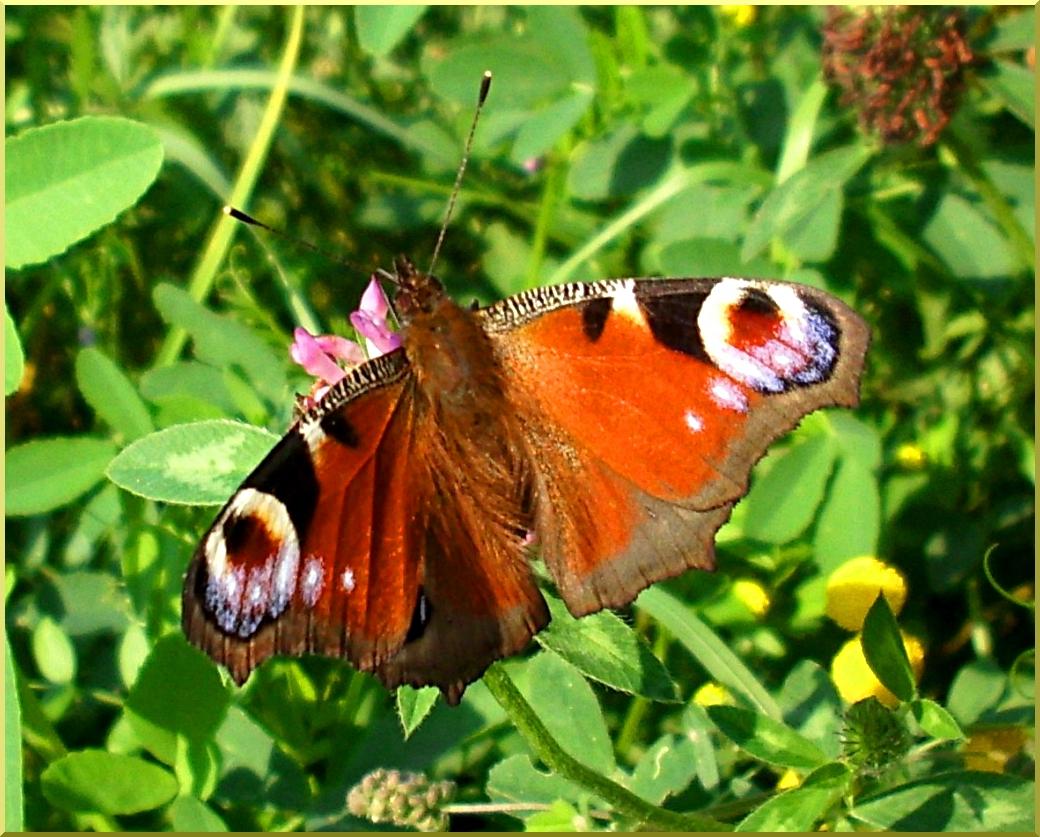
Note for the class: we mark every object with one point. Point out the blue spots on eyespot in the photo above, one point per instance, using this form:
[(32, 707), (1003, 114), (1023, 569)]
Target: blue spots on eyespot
[(251, 558)]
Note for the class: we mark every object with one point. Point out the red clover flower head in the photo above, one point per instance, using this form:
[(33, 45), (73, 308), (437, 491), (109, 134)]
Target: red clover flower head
[(900, 67)]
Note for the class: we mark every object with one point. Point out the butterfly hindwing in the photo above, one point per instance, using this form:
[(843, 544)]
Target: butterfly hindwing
[(653, 399)]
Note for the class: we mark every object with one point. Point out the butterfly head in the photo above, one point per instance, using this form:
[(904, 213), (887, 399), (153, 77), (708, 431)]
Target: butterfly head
[(417, 293)]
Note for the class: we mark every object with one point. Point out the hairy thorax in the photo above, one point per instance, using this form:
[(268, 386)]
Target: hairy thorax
[(457, 373), (472, 441)]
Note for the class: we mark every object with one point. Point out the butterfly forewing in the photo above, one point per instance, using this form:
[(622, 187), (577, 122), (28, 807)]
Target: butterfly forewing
[(654, 399)]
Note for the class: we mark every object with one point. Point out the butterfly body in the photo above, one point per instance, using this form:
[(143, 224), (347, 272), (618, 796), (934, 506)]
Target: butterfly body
[(614, 423)]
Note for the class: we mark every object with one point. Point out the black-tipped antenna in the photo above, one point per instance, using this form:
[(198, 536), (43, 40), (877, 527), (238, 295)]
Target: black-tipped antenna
[(485, 86), (239, 215)]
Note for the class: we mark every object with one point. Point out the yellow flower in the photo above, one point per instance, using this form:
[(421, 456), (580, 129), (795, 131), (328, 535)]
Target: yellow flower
[(740, 15), (789, 779), (991, 749), (712, 694), (854, 586), (911, 457), (854, 679), (752, 594)]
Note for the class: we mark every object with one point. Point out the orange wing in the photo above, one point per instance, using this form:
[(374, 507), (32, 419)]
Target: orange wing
[(337, 545), (647, 403), (315, 552)]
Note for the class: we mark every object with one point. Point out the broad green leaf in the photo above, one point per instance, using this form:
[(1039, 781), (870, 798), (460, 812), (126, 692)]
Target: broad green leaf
[(178, 692), (122, 739), (801, 808), (567, 706), (134, 649), (109, 392), (95, 780), (1012, 33), (850, 519), (55, 656), (632, 38), (706, 647), (884, 650), (560, 817), (782, 504), (766, 739), (959, 801), (812, 706), (99, 518), (662, 91), (814, 237), (520, 66), (187, 379), (516, 780), (506, 254), (381, 28), (413, 705), (976, 689), (87, 602), (45, 474), (856, 438), (14, 356), (197, 464), (604, 648), (13, 801), (224, 342), (708, 257), (79, 175), (563, 35), (791, 204), (706, 212), (37, 731), (255, 768), (196, 764), (798, 137), (1015, 85), (188, 813), (665, 769), (540, 133), (618, 164), (153, 562), (935, 720), (700, 732), (962, 234), (1016, 186)]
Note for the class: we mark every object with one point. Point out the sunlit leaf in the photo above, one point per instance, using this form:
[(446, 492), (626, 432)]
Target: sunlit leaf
[(603, 647), (381, 28), (199, 464), (44, 474), (94, 780), (78, 175), (413, 705)]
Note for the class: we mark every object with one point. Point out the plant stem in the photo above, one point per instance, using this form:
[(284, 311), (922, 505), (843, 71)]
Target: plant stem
[(220, 238), (547, 749)]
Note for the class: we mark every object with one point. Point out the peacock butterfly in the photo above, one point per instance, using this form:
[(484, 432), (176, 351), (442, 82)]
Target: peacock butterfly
[(616, 421)]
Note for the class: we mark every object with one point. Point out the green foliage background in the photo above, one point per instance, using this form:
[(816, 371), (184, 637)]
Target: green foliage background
[(617, 141)]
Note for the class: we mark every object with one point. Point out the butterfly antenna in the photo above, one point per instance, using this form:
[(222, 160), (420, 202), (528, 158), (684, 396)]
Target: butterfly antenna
[(245, 218), (485, 86)]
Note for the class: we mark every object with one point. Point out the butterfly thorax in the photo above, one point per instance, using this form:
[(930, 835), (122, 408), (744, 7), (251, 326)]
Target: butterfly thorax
[(449, 352), (463, 416)]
